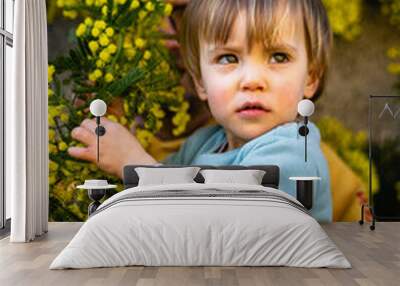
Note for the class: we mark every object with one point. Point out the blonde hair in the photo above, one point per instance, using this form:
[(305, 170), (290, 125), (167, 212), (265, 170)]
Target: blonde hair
[(212, 20)]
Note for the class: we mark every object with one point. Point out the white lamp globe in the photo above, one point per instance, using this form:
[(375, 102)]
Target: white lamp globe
[(305, 107), (98, 107)]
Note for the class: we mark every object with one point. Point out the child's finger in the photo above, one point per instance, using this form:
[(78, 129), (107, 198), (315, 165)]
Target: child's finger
[(82, 153), (89, 124), (83, 135)]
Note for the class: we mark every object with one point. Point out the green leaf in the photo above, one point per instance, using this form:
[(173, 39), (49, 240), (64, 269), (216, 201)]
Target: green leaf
[(135, 74), (85, 89), (110, 5), (83, 48), (126, 19), (119, 87), (119, 49)]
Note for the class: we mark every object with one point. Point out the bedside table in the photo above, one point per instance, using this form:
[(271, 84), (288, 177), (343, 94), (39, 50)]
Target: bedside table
[(96, 191)]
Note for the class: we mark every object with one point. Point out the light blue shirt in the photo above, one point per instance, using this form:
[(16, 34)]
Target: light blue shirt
[(281, 146)]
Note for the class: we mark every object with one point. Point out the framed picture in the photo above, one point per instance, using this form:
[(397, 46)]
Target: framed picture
[(384, 157)]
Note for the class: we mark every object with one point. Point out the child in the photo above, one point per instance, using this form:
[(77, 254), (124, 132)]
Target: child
[(253, 61)]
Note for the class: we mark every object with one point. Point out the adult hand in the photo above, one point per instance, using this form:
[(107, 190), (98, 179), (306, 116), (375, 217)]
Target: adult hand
[(118, 146), (171, 26)]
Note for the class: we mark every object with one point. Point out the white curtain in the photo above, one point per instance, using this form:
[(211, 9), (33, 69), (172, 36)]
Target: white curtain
[(26, 124)]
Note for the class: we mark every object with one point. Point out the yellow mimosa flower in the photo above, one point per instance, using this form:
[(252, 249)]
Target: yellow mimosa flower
[(159, 124), (92, 77), (144, 136), (99, 3), (62, 146), (52, 134), (393, 53), (72, 14), (103, 40), (112, 49), (110, 31), (93, 46), (126, 106), (51, 121), (141, 107), (394, 68), (123, 120), (64, 117), (80, 30), (95, 32), (104, 55), (140, 43), (149, 6), (112, 117), (60, 3), (53, 166), (104, 10), (142, 14), (52, 149), (134, 4), (100, 24), (147, 55), (88, 21), (52, 110), (50, 71), (100, 63), (108, 77), (130, 53), (168, 9), (98, 73)]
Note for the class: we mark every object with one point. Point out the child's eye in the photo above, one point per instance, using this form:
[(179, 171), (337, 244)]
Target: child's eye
[(227, 59), (279, 57)]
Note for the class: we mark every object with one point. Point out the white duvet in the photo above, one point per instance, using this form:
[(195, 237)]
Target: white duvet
[(183, 231)]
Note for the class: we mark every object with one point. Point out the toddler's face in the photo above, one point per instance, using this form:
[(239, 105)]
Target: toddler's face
[(249, 92)]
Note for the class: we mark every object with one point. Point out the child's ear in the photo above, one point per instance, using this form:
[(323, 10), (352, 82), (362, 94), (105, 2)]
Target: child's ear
[(199, 86), (312, 84)]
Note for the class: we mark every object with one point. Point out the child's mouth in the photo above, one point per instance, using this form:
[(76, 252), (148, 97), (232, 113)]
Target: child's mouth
[(252, 112)]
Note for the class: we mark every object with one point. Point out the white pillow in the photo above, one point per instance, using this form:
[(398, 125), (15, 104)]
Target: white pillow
[(163, 176), (249, 177)]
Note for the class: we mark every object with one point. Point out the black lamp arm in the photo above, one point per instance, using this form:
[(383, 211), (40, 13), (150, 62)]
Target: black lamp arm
[(100, 131)]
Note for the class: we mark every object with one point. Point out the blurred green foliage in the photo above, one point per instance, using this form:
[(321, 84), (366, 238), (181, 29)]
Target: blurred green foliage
[(345, 17), (351, 147)]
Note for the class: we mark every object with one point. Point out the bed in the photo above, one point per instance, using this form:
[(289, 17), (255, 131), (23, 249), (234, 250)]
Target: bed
[(201, 223)]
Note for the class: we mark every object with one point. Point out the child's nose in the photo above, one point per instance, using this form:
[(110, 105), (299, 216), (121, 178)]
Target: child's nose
[(252, 81), (253, 85)]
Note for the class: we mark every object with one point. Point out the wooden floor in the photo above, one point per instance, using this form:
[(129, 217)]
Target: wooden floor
[(374, 255)]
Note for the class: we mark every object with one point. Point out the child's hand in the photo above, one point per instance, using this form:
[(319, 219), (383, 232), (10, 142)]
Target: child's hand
[(118, 146)]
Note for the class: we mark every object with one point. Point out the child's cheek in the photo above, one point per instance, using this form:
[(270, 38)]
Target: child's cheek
[(218, 101), (221, 90), (287, 100)]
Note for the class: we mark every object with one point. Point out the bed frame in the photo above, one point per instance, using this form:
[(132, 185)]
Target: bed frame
[(270, 179)]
